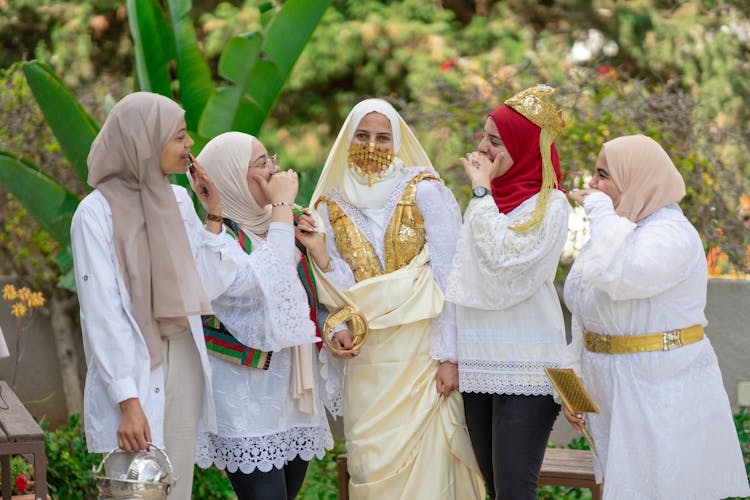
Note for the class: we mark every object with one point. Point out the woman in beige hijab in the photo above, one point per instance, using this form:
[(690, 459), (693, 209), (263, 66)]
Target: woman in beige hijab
[(269, 415), (637, 293), (146, 269)]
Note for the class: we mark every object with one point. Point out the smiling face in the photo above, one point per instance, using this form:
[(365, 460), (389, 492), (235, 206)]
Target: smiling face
[(261, 166), (174, 157), (491, 146), (602, 180)]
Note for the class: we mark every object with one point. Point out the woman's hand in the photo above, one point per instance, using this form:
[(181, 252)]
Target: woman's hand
[(282, 187), (205, 188), (577, 420), (479, 169), (446, 379), (343, 339), (133, 433), (578, 195)]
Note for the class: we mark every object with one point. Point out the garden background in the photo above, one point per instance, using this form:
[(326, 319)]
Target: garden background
[(290, 72)]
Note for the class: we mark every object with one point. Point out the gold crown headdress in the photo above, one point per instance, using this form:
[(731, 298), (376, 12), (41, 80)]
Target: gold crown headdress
[(531, 104)]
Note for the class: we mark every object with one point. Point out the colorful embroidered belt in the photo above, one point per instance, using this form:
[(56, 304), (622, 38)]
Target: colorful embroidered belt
[(627, 344)]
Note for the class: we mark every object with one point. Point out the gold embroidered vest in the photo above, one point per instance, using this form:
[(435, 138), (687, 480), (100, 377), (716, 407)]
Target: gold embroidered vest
[(404, 237)]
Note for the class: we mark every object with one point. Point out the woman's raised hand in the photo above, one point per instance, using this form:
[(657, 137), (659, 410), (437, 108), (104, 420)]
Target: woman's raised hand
[(282, 187), (479, 168), (205, 188)]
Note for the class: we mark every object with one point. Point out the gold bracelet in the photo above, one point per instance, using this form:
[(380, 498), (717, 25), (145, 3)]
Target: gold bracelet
[(329, 267), (214, 217), (281, 203), (451, 361)]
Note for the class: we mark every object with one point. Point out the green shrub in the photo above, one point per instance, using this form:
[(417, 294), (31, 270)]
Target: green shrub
[(69, 464)]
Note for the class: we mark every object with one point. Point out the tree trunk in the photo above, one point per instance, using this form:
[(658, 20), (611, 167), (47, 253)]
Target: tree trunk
[(61, 304)]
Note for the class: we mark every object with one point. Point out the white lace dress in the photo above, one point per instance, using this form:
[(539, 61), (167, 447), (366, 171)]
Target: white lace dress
[(510, 323), (259, 424), (665, 430)]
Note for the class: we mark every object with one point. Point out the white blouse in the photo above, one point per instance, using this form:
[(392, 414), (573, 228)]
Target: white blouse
[(510, 323), (665, 427), (259, 423), (442, 220)]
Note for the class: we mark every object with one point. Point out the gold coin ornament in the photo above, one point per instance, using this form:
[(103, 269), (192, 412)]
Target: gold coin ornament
[(357, 322)]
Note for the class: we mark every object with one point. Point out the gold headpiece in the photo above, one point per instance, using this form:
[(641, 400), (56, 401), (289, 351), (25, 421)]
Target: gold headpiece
[(530, 103), (370, 160)]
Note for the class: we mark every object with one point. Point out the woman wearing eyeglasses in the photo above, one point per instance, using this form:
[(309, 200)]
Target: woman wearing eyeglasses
[(270, 419)]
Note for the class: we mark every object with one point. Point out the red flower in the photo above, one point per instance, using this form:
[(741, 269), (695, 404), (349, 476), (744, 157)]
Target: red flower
[(607, 73), (21, 483), (448, 64)]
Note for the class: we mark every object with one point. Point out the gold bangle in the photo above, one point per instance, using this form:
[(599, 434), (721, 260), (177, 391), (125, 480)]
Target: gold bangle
[(451, 361), (329, 267), (214, 217)]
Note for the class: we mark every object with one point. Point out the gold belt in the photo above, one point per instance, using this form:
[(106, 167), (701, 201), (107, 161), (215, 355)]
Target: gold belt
[(626, 344)]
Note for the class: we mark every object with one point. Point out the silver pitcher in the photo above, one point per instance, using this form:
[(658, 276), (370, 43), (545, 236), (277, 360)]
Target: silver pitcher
[(135, 475)]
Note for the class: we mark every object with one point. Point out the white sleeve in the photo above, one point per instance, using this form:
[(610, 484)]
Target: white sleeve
[(442, 222), (496, 267), (633, 264), (109, 331), (266, 307), (571, 356), (342, 275), (216, 270)]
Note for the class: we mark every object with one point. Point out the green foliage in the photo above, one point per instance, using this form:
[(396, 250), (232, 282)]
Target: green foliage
[(69, 465), (321, 480), (19, 465), (211, 484)]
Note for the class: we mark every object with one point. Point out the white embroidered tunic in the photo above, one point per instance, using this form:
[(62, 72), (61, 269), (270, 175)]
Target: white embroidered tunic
[(665, 429), (510, 323), (259, 423)]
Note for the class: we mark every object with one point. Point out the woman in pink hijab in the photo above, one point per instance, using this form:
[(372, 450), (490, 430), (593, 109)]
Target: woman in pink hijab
[(637, 293)]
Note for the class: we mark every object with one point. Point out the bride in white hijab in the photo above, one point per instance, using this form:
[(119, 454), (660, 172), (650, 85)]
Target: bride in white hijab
[(391, 227)]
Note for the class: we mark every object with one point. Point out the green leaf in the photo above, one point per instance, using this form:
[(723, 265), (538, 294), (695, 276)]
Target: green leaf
[(73, 127), (152, 46), (236, 64), (46, 200), (245, 104), (193, 73)]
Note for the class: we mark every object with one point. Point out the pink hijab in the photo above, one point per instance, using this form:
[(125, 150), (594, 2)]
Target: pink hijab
[(644, 174), (152, 247)]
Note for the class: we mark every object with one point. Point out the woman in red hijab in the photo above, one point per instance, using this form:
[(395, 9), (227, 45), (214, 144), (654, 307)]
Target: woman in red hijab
[(510, 324)]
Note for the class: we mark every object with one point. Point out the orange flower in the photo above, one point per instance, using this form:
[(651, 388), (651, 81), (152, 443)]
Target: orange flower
[(24, 294), (18, 310), (36, 299), (9, 292)]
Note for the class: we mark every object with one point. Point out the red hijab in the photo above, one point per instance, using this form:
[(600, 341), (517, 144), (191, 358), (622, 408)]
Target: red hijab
[(524, 179)]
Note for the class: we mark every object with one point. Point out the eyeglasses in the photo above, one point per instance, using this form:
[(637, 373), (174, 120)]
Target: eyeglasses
[(268, 161)]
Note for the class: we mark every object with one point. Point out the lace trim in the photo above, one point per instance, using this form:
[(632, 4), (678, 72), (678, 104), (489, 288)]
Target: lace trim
[(505, 377), (332, 373), (263, 452)]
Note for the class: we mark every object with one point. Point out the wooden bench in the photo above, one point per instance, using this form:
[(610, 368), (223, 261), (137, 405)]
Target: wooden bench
[(20, 434), (561, 467)]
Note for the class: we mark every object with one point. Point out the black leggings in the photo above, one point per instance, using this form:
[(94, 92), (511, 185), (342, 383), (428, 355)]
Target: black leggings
[(276, 484), (509, 434)]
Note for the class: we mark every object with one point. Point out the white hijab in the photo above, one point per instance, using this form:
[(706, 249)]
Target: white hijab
[(354, 187), (226, 159)]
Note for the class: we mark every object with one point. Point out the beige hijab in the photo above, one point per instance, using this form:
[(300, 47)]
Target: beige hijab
[(226, 159), (406, 148), (150, 241), (644, 174)]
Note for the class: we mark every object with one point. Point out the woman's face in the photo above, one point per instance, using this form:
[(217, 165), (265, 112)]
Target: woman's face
[(492, 146), (376, 128), (175, 157), (602, 180), (261, 166)]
